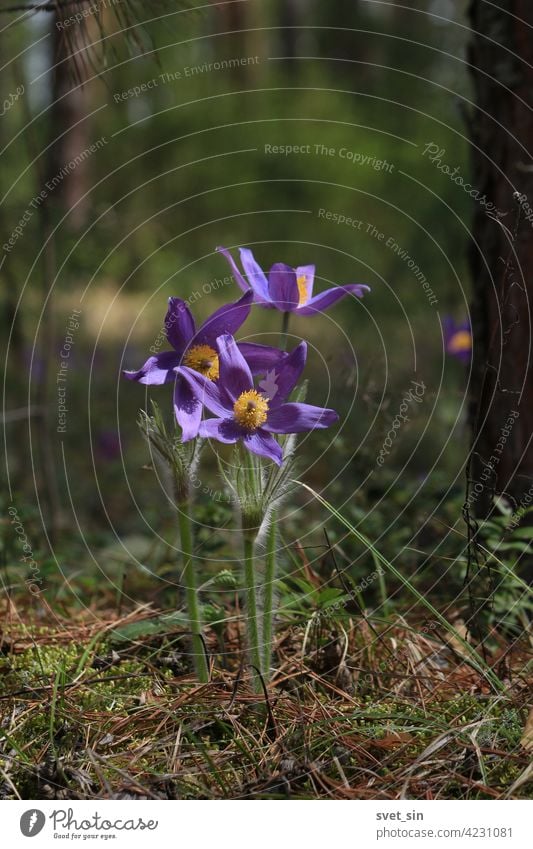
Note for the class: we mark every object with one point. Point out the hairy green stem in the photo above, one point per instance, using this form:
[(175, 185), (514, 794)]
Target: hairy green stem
[(251, 609), (286, 317), (270, 563), (191, 594), (268, 601)]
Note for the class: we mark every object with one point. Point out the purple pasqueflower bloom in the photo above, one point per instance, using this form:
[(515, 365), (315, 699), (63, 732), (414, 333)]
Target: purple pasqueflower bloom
[(457, 338), (243, 413), (287, 289), (196, 350)]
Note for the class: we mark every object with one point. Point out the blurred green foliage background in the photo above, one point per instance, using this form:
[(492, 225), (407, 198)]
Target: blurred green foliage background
[(184, 122)]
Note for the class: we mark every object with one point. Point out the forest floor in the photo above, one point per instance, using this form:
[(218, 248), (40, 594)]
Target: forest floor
[(99, 704)]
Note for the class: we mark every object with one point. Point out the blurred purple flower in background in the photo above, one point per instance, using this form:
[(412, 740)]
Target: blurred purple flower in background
[(287, 289), (243, 413), (36, 361), (457, 338), (107, 444)]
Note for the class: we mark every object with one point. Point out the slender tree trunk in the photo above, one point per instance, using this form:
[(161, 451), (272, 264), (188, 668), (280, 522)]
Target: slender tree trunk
[(70, 129), (291, 16), (8, 277), (65, 184), (241, 19)]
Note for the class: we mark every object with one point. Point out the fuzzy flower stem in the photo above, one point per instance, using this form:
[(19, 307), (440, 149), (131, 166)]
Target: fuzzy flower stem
[(268, 600), (191, 594), (270, 565), (251, 607), (286, 317)]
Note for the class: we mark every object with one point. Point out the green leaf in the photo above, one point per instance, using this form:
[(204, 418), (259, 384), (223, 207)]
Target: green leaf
[(225, 579), (148, 627), (329, 596)]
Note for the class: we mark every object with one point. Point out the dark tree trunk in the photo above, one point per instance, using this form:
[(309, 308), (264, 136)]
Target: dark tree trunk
[(501, 408), (64, 178), (336, 38), (291, 16), (70, 128), (244, 22), (501, 53)]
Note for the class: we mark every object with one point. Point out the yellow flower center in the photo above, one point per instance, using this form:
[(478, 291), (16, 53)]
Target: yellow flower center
[(251, 409), (460, 341), (302, 289), (204, 359)]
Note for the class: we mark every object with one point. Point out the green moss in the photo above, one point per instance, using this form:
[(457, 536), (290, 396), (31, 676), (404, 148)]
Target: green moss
[(215, 760)]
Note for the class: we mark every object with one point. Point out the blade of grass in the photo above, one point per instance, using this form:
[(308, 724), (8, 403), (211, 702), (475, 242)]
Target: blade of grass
[(474, 658), (53, 705), (14, 745)]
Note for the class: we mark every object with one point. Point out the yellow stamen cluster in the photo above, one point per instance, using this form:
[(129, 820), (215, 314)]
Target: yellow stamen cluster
[(250, 409), (302, 289), (204, 359), (460, 341)]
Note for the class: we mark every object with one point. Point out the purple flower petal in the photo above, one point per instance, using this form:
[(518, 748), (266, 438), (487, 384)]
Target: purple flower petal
[(241, 282), (331, 296), (156, 370), (297, 418), (227, 319), (179, 324), (307, 271), (261, 358), (283, 287), (187, 408), (286, 375), (208, 393), (108, 444), (224, 430), (255, 274), (262, 443), (235, 375)]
